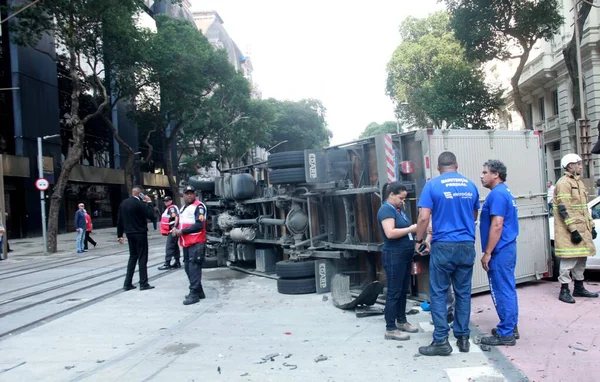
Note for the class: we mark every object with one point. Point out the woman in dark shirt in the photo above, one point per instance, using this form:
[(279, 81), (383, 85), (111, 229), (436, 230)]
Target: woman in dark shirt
[(398, 249)]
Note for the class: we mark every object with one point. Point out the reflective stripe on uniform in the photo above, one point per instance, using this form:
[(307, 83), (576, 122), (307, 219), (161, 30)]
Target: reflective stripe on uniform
[(563, 196), (569, 221), (572, 251)]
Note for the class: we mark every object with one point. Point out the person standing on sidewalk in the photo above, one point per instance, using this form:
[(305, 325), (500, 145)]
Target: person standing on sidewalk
[(88, 231), (80, 226), (452, 202), (2, 232), (192, 237), (134, 213), (574, 230), (397, 255), (499, 228), (169, 220)]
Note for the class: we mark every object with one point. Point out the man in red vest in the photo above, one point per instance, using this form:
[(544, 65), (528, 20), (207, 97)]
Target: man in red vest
[(192, 237), (169, 220)]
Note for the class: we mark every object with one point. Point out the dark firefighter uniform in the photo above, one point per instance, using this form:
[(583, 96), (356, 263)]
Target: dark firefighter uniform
[(168, 220), (192, 224)]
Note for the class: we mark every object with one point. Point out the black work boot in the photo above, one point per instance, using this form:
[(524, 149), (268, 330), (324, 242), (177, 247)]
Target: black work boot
[(191, 299), (565, 294), (499, 341), (437, 348), (580, 291), (164, 267), (201, 294), (463, 344), (515, 332), (176, 265)]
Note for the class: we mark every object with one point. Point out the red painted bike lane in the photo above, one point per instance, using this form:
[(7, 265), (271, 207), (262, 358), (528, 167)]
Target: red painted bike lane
[(559, 341)]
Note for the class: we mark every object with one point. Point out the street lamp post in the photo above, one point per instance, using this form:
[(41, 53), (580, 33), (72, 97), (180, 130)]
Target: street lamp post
[(42, 193)]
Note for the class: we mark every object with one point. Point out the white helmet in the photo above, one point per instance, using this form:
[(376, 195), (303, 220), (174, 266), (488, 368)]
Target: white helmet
[(568, 159)]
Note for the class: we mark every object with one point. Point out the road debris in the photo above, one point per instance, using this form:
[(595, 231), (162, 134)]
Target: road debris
[(325, 298), (399, 346), (287, 333), (292, 367), (321, 358), (219, 369), (99, 361), (270, 356), (577, 348), (69, 367), (287, 356), (413, 311), (245, 375), (485, 348), (260, 361)]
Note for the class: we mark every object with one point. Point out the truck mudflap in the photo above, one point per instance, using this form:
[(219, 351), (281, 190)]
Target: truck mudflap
[(342, 297)]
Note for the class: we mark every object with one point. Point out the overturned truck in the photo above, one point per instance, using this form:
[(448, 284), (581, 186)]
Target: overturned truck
[(307, 215)]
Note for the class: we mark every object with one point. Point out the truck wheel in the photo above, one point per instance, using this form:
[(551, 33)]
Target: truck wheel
[(294, 269), (296, 286), (286, 159), (210, 262), (287, 175)]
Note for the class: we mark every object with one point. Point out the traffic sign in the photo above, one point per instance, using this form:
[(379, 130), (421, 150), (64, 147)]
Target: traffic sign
[(42, 184)]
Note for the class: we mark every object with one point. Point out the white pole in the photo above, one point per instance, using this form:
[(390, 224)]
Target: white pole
[(579, 64), (42, 196)]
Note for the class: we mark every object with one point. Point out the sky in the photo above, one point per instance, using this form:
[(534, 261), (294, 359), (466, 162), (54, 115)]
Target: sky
[(330, 50)]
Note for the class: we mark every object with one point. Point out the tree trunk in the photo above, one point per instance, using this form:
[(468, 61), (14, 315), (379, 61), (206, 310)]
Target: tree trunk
[(516, 92), (169, 164), (129, 165), (570, 55)]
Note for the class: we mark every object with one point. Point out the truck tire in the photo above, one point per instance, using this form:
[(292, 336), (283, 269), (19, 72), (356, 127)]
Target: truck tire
[(210, 262), (295, 269), (201, 184), (287, 176), (286, 159), (296, 286)]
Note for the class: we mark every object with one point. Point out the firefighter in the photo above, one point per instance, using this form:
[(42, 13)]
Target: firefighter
[(573, 229), (169, 220), (192, 237)]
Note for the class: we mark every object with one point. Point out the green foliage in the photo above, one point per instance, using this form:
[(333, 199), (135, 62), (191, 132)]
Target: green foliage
[(373, 128), (431, 81), (302, 124), (489, 29)]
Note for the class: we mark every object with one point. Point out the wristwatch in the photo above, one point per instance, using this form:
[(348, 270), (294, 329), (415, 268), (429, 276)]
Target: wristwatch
[(419, 241)]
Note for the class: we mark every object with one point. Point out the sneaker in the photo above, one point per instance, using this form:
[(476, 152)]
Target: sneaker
[(442, 348), (407, 327), (396, 335)]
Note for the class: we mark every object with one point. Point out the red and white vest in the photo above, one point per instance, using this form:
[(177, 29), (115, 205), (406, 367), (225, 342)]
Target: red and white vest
[(187, 219), (166, 225)]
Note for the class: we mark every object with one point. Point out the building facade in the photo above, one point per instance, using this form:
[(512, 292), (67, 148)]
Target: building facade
[(547, 89)]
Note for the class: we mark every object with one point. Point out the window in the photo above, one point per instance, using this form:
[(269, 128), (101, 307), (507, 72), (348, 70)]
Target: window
[(555, 102), (542, 108), (556, 147), (596, 211)]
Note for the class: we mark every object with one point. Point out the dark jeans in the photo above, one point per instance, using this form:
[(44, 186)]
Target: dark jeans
[(155, 223), (451, 263), (88, 239), (397, 265), (138, 254), (503, 288), (193, 257), (172, 249)]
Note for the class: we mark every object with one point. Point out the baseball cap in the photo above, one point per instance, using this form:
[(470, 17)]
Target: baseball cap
[(167, 198), (189, 188)]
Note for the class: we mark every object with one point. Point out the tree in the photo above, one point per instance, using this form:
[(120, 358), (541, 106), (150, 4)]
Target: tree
[(77, 27), (498, 29), (187, 71), (301, 124), (388, 127), (432, 82), (570, 55)]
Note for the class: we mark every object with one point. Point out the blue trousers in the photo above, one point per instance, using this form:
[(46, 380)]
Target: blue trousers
[(503, 288), (397, 265), (451, 263), (80, 239)]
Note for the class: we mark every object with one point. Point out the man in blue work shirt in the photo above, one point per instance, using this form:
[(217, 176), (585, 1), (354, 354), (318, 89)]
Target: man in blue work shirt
[(452, 202), (80, 226), (499, 228)]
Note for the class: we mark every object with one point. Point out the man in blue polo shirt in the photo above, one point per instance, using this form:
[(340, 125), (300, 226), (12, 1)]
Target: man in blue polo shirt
[(499, 228), (452, 202)]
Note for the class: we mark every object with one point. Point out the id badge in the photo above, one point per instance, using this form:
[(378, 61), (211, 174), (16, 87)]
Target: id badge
[(410, 236)]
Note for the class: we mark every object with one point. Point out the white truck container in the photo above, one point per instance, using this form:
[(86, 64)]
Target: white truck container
[(523, 154)]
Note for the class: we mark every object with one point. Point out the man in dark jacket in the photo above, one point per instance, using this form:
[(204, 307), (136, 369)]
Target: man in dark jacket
[(134, 213), (80, 225)]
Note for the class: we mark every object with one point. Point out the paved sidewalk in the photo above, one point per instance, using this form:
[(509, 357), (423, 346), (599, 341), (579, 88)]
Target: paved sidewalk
[(23, 249)]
